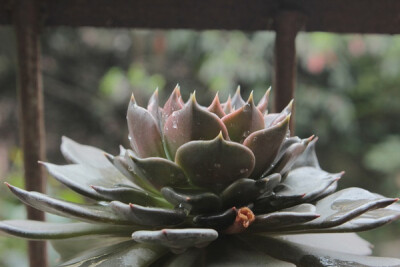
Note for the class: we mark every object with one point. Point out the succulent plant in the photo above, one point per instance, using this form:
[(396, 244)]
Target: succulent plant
[(206, 186)]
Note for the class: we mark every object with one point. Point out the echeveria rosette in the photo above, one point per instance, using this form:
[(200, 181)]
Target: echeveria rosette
[(206, 186)]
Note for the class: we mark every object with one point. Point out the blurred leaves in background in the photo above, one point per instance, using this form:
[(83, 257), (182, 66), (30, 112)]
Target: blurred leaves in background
[(348, 94)]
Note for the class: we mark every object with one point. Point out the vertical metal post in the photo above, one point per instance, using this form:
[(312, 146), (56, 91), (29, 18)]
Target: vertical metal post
[(31, 121), (287, 24)]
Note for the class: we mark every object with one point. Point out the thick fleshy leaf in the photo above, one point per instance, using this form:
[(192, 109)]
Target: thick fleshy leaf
[(340, 242), (303, 255), (306, 180), (244, 121), (144, 134), (217, 221), (128, 166), (287, 142), (244, 191), (83, 212), (70, 248), (369, 220), (263, 103), (114, 212), (46, 230), (274, 118), (343, 206), (178, 240), (308, 157), (227, 106), (148, 216), (194, 202), (289, 157), (124, 164), (159, 172), (192, 122), (83, 154), (127, 194), (231, 251), (80, 177), (265, 145), (216, 107), (154, 108), (190, 258), (215, 164), (125, 254), (274, 221), (174, 102), (332, 188), (237, 100)]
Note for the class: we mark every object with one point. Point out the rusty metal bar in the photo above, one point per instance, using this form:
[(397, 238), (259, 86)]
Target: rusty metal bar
[(287, 24), (340, 16), (31, 121)]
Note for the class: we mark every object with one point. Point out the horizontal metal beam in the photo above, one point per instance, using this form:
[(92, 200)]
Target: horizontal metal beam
[(341, 16)]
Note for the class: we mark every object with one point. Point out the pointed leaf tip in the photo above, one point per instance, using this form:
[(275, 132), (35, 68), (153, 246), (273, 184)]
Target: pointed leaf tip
[(133, 100)]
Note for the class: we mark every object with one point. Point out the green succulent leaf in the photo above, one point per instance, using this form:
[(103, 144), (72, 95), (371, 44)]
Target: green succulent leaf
[(369, 220), (46, 230), (153, 107), (232, 251), (308, 157), (144, 134), (192, 122), (81, 177), (174, 102), (244, 121), (227, 106), (216, 107), (194, 201), (237, 101), (127, 194), (120, 162), (159, 172), (83, 154), (178, 240), (289, 157), (90, 213), (274, 118), (147, 216), (265, 145), (263, 103), (341, 207), (138, 179), (245, 191), (303, 255), (215, 164), (71, 248), (124, 254), (307, 180), (276, 221), (339, 242), (217, 221), (190, 258)]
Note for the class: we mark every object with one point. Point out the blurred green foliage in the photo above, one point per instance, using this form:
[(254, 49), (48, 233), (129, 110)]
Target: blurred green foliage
[(347, 94)]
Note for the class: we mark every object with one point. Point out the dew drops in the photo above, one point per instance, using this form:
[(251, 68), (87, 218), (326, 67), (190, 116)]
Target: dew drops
[(217, 165), (246, 108)]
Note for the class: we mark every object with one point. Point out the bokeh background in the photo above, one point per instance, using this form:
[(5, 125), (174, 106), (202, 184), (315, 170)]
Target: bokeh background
[(348, 94)]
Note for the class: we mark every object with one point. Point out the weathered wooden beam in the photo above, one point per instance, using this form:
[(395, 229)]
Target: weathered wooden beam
[(287, 24), (340, 16), (30, 101)]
